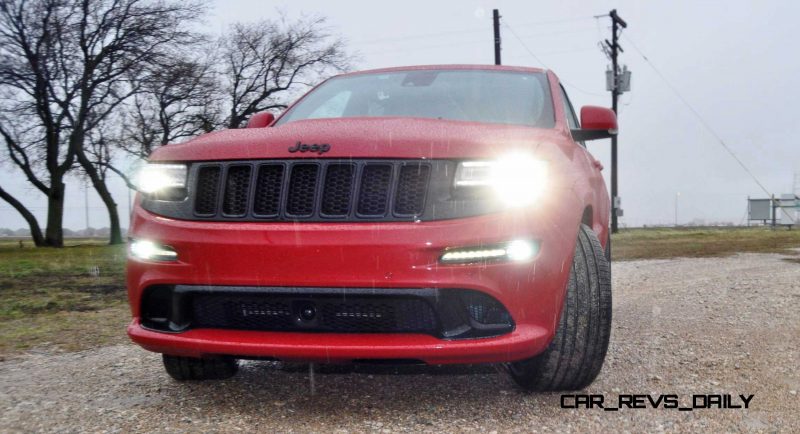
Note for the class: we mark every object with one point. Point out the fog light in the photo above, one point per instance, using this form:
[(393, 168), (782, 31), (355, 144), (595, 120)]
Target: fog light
[(150, 251), (519, 250), (516, 250)]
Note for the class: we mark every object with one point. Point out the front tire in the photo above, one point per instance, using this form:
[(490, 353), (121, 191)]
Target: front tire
[(575, 356), (191, 368)]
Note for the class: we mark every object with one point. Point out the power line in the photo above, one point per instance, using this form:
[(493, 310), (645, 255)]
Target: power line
[(460, 31), (702, 120), (559, 52), (514, 33), (405, 49), (564, 20), (579, 89), (571, 31), (697, 115), (461, 42), (538, 59), (417, 36)]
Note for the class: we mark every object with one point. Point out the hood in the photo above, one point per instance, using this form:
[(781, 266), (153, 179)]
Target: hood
[(365, 138)]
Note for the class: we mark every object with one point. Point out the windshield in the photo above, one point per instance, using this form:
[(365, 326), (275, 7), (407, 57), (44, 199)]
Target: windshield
[(503, 97)]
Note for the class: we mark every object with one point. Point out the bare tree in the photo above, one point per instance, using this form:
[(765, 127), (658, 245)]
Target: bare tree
[(31, 125), (65, 66), (178, 98), (21, 139), (265, 62), (81, 78), (33, 224), (255, 67)]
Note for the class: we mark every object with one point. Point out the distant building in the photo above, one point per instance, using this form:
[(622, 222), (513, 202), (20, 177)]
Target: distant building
[(789, 213)]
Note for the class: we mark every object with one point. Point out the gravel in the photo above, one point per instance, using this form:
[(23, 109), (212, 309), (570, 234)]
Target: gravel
[(682, 326)]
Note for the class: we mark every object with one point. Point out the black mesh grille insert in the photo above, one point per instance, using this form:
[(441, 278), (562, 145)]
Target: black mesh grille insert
[(357, 314), (411, 187), (374, 195), (485, 309), (268, 190), (246, 313), (444, 313), (407, 315), (338, 189), (302, 190), (237, 188), (205, 202)]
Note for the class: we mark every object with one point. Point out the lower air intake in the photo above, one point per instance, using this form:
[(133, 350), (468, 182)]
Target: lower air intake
[(322, 314), (443, 313)]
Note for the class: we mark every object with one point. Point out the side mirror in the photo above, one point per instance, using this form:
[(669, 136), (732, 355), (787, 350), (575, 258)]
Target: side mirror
[(261, 120), (596, 123)]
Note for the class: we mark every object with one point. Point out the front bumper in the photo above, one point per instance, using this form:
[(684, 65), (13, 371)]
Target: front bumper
[(358, 255), (525, 341)]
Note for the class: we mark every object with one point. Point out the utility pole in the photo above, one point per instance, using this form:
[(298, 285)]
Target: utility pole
[(774, 210), (86, 203), (616, 90), (496, 19), (617, 83)]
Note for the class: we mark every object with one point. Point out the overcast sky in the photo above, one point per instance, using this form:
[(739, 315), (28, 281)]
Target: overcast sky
[(734, 62)]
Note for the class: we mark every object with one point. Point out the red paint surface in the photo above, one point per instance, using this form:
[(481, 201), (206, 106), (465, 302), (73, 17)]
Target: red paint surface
[(261, 120), (380, 254), (598, 118)]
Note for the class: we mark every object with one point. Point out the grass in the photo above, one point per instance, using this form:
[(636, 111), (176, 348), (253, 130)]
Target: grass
[(66, 299), (663, 243), (74, 298)]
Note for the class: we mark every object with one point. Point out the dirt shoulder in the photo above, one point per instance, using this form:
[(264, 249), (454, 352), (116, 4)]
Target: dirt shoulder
[(682, 326)]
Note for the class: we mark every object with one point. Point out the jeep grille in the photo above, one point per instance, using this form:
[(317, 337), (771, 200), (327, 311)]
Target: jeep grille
[(320, 189)]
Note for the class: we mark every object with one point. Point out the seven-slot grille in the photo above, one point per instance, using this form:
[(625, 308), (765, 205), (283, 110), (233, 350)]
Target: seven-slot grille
[(302, 189)]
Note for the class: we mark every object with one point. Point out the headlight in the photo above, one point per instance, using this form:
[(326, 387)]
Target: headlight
[(167, 180), (517, 180)]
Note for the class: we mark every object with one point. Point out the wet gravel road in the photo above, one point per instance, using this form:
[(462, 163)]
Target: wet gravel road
[(683, 326)]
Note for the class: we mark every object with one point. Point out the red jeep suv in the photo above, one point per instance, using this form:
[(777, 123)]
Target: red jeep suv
[(432, 214)]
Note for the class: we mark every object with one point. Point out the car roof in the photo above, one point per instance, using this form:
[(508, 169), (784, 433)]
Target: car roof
[(448, 67)]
